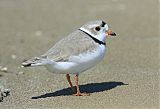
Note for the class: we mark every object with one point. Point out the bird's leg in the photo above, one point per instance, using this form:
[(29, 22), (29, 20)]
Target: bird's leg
[(78, 93), (69, 81)]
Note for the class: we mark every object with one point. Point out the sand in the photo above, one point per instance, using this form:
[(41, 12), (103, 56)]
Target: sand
[(127, 78)]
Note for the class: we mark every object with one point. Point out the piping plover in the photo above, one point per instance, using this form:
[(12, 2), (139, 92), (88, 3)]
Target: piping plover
[(79, 51)]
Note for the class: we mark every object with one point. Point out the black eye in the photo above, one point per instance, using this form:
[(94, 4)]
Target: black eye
[(97, 28)]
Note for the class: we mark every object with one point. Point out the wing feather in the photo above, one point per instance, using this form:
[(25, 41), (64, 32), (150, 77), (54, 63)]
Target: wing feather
[(74, 44)]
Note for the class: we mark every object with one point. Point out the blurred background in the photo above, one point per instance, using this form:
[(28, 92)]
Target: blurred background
[(29, 28)]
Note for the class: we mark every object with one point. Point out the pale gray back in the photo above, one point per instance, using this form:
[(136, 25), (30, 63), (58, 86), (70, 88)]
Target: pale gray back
[(74, 44)]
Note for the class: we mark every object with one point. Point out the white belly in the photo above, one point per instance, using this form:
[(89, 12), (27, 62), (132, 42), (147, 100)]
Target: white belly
[(79, 63)]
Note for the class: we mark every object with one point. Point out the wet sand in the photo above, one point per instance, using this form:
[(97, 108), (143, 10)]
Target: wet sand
[(127, 78)]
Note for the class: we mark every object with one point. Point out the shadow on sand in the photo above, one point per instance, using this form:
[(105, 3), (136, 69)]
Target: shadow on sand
[(88, 88)]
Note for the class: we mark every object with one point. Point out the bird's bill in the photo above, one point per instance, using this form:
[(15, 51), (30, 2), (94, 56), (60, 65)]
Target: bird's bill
[(110, 33)]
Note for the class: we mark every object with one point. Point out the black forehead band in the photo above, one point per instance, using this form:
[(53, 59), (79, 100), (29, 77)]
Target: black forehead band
[(103, 24)]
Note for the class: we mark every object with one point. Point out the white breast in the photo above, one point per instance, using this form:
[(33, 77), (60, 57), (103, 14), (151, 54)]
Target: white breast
[(79, 63)]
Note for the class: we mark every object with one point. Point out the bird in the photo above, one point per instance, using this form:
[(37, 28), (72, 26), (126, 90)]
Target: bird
[(81, 50)]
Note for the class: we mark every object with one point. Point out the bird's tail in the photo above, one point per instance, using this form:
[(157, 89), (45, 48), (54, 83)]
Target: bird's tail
[(37, 62)]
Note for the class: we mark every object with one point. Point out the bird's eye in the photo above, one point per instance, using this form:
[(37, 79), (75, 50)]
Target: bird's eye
[(97, 28)]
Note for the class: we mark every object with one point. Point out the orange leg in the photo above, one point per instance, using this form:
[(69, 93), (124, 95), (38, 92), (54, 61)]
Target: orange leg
[(77, 86), (69, 81)]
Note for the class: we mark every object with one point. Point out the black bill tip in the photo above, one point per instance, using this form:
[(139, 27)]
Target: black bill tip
[(113, 34)]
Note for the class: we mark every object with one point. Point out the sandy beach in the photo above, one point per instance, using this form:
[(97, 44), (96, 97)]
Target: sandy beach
[(127, 78)]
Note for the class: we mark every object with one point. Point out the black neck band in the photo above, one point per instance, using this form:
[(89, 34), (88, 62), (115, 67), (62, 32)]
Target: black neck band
[(96, 40)]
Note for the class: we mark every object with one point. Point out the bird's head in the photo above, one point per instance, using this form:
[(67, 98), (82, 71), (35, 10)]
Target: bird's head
[(98, 29)]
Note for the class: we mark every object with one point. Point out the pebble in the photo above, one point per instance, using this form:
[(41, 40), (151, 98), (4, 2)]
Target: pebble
[(20, 72), (4, 69), (13, 56), (38, 33)]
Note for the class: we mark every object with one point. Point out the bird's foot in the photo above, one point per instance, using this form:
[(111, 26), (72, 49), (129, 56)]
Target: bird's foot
[(81, 94)]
